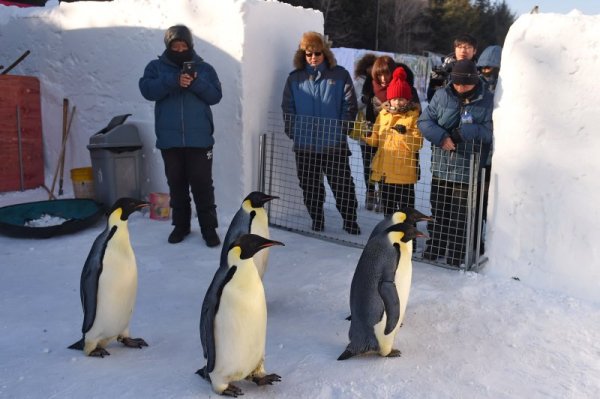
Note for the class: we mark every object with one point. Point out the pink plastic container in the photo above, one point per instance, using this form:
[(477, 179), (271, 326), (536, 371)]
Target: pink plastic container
[(159, 206)]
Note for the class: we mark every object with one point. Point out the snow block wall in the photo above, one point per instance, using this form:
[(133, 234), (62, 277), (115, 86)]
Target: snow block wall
[(94, 53), (544, 210)]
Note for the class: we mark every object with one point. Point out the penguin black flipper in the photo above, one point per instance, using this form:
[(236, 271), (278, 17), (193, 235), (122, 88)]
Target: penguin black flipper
[(391, 304), (389, 295), (90, 276), (210, 307)]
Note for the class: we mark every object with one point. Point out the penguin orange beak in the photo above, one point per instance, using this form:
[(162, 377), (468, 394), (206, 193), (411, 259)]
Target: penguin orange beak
[(422, 235), (142, 205), (271, 243)]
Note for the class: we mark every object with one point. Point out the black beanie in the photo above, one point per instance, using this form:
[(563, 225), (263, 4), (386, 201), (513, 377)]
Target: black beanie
[(464, 72), (179, 32)]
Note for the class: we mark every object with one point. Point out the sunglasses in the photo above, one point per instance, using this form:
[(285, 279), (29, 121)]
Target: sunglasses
[(316, 54)]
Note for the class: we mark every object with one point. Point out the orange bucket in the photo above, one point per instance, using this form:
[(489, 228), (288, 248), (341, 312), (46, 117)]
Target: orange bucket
[(159, 206)]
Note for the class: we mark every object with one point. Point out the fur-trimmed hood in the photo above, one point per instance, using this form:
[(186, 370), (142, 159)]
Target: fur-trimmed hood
[(313, 41)]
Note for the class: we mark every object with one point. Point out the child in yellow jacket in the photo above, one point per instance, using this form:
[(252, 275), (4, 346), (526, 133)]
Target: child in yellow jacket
[(398, 141)]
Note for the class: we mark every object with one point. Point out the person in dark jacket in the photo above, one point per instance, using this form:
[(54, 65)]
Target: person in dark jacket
[(319, 106), (184, 130), (458, 123), (465, 48), (488, 65)]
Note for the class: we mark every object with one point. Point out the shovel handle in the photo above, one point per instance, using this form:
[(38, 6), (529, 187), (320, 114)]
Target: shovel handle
[(14, 64)]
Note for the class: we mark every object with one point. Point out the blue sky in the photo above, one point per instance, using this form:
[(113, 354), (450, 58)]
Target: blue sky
[(589, 7)]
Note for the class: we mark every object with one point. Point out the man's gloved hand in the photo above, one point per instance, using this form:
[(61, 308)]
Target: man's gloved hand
[(368, 129)]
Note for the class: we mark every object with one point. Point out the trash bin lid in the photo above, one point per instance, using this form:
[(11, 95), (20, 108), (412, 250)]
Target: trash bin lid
[(116, 135)]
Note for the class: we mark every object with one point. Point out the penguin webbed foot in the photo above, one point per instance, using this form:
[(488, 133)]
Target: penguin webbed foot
[(232, 390), (133, 342), (203, 373), (268, 379), (394, 353), (99, 352)]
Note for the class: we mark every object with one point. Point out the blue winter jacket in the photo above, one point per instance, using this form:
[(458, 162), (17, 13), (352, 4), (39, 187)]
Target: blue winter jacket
[(182, 116), (315, 102), (442, 116)]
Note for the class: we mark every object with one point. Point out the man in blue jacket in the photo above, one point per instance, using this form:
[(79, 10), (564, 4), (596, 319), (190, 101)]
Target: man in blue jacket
[(184, 130), (319, 105), (458, 123)]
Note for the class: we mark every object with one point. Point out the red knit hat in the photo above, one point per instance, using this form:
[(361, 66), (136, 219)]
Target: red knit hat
[(399, 87)]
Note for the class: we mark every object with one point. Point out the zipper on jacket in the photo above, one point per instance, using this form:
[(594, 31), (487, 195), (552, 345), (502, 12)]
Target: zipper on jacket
[(182, 120)]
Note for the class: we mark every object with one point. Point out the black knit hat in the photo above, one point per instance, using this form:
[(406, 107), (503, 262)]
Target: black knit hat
[(464, 72), (179, 32)]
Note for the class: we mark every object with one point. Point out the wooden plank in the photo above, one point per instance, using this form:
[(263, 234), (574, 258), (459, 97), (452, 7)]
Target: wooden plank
[(23, 92)]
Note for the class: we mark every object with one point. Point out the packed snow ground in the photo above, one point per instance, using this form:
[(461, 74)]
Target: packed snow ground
[(466, 335)]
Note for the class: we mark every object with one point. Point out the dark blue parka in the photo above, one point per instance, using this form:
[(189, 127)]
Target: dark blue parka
[(442, 115), (183, 117), (318, 100)]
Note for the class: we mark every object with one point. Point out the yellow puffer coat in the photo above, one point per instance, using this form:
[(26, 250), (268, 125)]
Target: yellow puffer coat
[(396, 159)]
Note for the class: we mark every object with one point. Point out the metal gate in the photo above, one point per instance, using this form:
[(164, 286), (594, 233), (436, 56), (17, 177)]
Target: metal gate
[(279, 176)]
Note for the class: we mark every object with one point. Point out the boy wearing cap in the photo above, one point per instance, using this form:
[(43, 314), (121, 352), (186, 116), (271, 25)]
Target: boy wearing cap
[(184, 130), (458, 123), (319, 106), (398, 141)]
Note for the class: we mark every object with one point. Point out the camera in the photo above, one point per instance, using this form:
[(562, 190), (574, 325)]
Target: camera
[(188, 68)]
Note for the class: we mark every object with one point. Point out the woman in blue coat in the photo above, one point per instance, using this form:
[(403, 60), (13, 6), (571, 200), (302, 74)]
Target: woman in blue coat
[(184, 130), (319, 107)]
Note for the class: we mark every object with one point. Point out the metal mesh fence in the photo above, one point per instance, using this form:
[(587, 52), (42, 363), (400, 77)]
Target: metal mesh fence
[(327, 190)]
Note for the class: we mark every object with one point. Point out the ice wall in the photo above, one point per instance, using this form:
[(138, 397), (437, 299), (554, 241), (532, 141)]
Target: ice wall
[(544, 208)]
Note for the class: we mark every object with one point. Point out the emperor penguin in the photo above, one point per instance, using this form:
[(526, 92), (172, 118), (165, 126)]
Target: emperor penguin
[(404, 215), (233, 323), (379, 291), (108, 284), (250, 218)]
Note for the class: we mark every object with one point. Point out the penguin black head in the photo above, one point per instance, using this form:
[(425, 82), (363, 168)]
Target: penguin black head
[(250, 244), (410, 231), (258, 199), (127, 206), (413, 216)]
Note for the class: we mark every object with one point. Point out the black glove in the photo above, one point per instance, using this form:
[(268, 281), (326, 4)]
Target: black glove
[(455, 135), (400, 128), (368, 129)]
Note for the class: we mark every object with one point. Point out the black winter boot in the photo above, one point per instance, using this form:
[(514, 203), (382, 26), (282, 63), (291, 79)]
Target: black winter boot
[(178, 234)]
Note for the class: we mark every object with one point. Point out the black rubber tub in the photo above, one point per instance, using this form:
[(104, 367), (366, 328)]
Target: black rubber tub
[(45, 219)]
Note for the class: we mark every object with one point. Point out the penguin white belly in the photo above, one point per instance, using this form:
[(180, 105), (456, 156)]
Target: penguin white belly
[(403, 278), (117, 289), (260, 227), (240, 327), (386, 342)]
